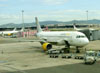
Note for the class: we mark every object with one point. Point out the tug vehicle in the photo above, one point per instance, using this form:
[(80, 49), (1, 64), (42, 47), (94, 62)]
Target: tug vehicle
[(90, 57)]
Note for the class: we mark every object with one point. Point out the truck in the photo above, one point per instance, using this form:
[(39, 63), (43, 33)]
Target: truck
[(90, 57)]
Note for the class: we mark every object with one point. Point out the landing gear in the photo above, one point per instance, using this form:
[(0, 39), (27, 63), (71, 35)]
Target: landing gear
[(77, 50), (66, 49)]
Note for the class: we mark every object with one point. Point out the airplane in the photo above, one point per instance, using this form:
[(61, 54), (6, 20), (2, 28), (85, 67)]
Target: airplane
[(10, 33), (67, 38), (77, 29)]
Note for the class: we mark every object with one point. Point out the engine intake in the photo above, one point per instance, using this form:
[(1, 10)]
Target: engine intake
[(46, 46), (9, 34)]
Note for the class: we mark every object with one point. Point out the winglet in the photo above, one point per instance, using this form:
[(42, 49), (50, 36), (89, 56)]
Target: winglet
[(38, 25)]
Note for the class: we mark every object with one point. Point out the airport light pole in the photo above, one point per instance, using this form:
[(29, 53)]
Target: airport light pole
[(23, 21), (23, 17), (87, 14)]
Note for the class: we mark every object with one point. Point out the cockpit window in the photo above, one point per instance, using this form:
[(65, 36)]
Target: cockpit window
[(80, 36)]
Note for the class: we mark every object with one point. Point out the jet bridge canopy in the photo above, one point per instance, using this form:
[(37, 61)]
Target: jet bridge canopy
[(92, 35)]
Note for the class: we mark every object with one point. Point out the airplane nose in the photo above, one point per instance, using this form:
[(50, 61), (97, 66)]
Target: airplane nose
[(87, 41), (84, 42)]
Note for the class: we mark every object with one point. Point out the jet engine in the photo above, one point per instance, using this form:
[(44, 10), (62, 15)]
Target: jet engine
[(9, 34), (46, 46)]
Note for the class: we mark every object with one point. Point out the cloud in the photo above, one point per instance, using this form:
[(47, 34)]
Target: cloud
[(52, 15), (66, 15), (3, 5), (54, 2), (14, 18), (3, 0), (7, 18)]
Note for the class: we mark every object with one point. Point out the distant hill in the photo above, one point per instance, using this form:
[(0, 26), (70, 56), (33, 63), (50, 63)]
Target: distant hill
[(12, 25)]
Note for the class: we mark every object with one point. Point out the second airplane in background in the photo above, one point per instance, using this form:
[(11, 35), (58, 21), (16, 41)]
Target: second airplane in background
[(10, 33), (77, 29)]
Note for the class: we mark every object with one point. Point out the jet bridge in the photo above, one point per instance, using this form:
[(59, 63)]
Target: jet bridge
[(92, 35)]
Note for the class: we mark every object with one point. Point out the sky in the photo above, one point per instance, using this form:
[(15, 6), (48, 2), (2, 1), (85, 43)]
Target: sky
[(48, 10)]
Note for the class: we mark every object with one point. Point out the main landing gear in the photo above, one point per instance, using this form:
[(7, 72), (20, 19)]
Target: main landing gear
[(66, 49)]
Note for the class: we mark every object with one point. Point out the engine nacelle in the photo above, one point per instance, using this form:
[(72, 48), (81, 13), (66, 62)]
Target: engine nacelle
[(46, 46), (9, 34)]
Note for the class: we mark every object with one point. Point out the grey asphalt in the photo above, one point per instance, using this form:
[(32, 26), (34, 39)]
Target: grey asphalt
[(73, 68)]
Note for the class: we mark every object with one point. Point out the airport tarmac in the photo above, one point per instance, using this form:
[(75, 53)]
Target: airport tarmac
[(28, 57), (71, 68)]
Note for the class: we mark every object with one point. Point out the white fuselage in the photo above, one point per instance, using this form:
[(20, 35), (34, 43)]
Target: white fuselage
[(8, 33), (11, 32), (74, 38)]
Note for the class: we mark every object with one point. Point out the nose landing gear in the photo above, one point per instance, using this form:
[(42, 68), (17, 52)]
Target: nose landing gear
[(77, 50)]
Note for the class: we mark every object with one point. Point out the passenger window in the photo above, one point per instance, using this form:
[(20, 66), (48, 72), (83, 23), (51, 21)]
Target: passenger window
[(77, 36), (80, 36)]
